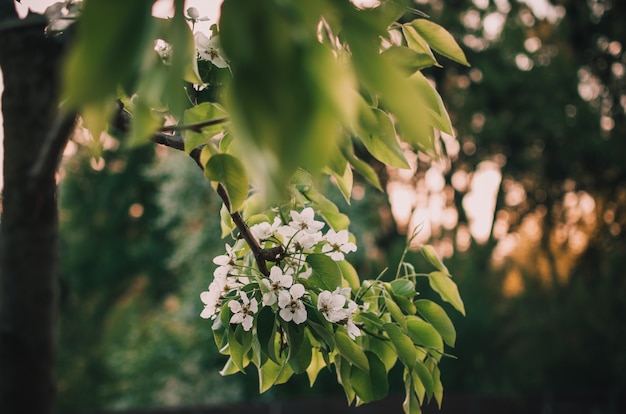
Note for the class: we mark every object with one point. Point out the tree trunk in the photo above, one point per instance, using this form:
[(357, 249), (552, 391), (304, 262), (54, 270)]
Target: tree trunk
[(29, 233)]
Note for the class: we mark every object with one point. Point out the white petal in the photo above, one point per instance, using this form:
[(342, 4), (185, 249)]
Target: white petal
[(254, 305), (206, 297), (283, 298), (338, 301), (234, 306), (247, 322), (353, 330), (299, 315), (269, 298), (236, 318), (296, 291), (207, 312), (286, 314)]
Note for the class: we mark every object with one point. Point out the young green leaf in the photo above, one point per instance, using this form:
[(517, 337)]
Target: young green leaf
[(403, 344), (229, 171), (440, 40), (351, 351), (435, 314), (269, 373), (373, 384), (326, 273), (423, 333), (396, 312), (447, 289), (349, 274)]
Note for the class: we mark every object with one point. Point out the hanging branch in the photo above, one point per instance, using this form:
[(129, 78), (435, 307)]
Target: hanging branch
[(177, 142)]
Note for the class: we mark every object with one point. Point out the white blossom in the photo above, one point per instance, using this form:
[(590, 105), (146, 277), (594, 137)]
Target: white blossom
[(243, 311), (225, 263), (264, 230), (212, 299), (305, 221), (209, 49), (276, 283), (331, 306), (337, 243), (291, 307)]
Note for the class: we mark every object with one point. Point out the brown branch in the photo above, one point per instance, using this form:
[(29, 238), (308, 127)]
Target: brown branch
[(197, 127), (260, 255)]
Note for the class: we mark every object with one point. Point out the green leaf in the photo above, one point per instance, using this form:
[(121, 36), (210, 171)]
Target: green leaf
[(435, 314), (316, 365), (343, 377), (269, 373), (384, 350), (423, 333), (380, 139), (343, 181), (266, 332), (411, 404), (111, 41), (295, 338), (300, 360), (431, 255), (239, 343), (434, 104), (447, 289), (326, 274), (425, 377), (373, 384), (403, 344), (440, 40), (321, 333), (360, 166), (229, 171), (327, 209), (437, 386), (349, 274), (403, 287), (396, 312), (229, 368), (418, 44), (351, 351), (370, 318), (409, 59), (202, 113)]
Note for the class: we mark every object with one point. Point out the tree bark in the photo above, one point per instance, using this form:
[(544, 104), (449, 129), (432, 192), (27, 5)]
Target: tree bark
[(34, 136)]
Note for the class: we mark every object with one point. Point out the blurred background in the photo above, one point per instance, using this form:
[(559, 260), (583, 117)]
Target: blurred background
[(529, 214)]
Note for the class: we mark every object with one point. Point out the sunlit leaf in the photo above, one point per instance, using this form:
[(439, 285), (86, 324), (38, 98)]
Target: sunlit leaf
[(447, 289), (440, 40), (351, 351), (202, 113), (396, 312), (349, 274), (423, 333), (435, 314), (380, 139), (326, 273), (229, 171), (431, 255), (403, 344), (373, 384)]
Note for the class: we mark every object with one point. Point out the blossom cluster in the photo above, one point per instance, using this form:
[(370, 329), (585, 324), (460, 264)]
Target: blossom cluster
[(286, 289)]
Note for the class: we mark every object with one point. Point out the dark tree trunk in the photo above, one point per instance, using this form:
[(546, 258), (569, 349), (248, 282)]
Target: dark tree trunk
[(34, 135)]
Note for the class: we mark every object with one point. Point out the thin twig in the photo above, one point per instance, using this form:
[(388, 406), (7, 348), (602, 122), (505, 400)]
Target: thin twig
[(197, 127)]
